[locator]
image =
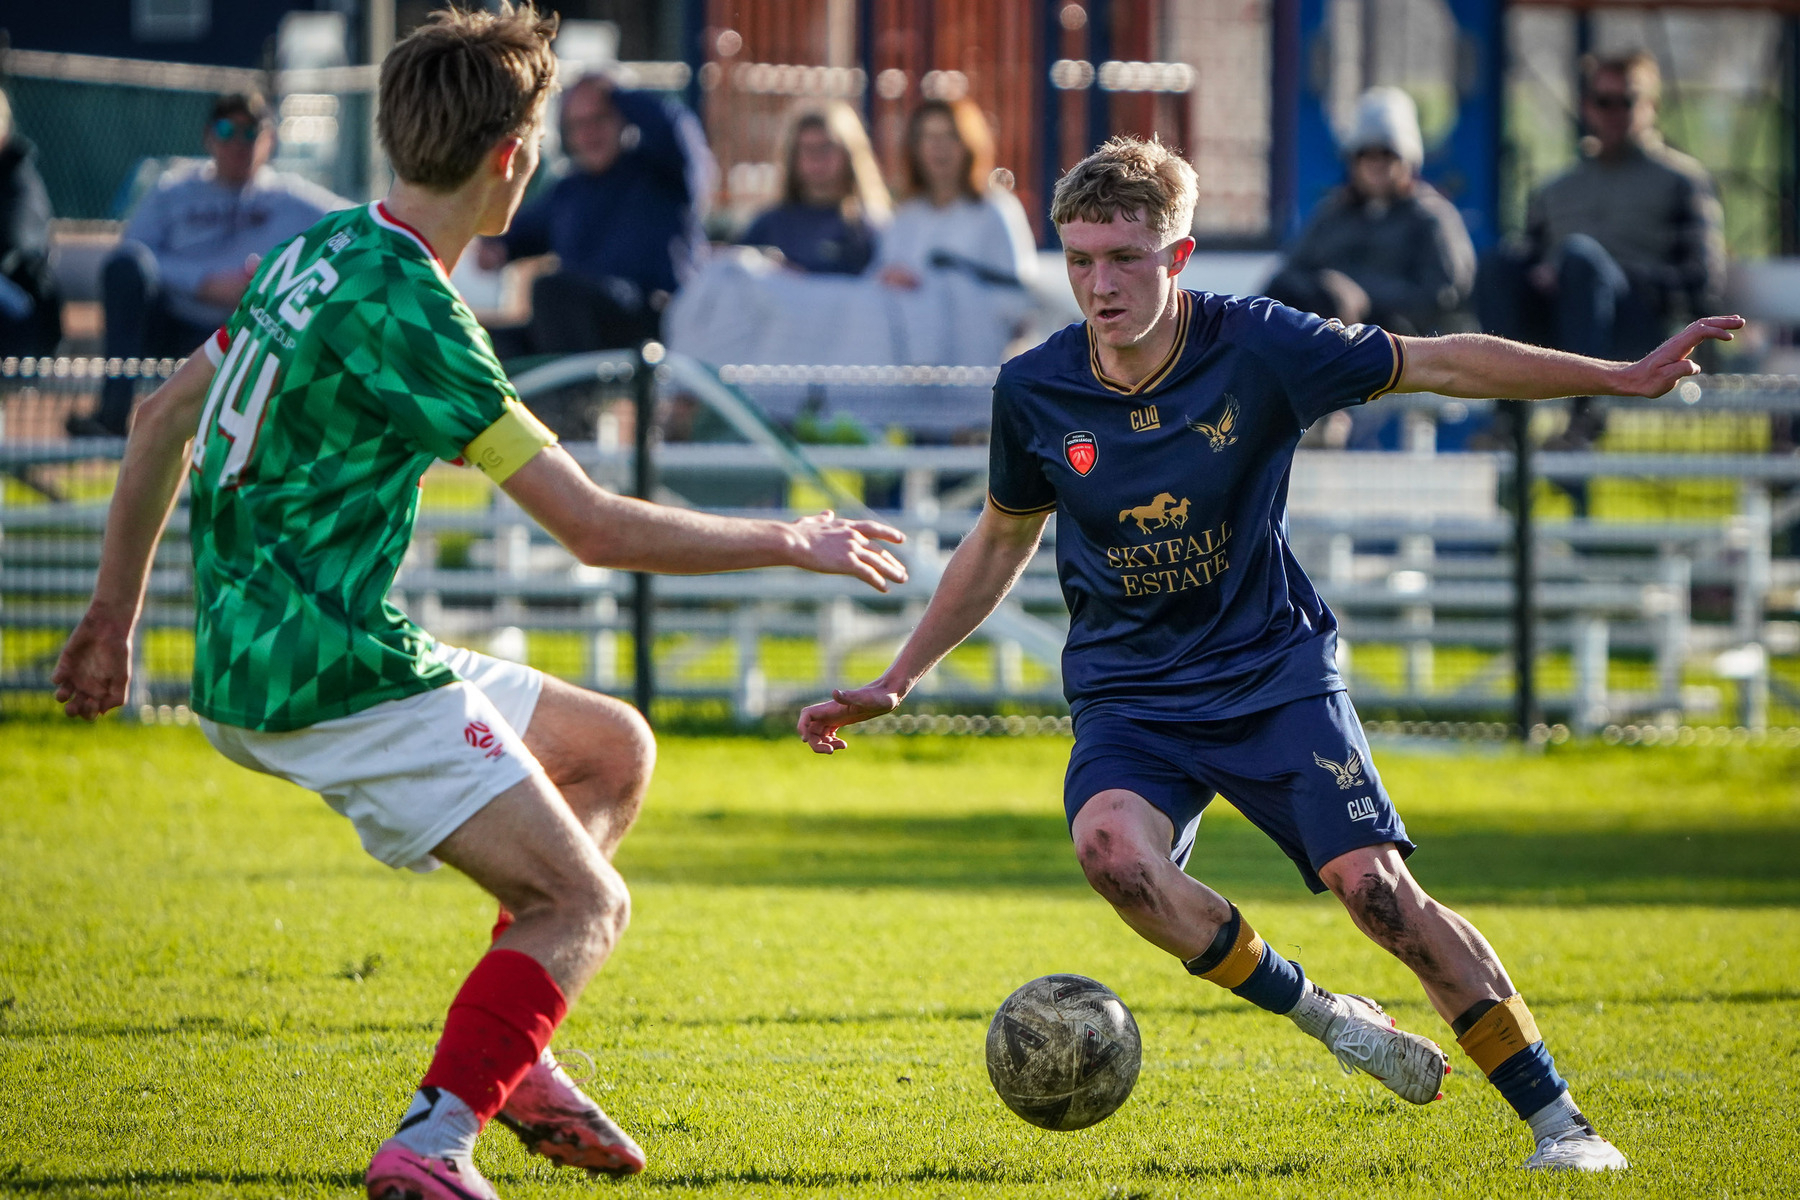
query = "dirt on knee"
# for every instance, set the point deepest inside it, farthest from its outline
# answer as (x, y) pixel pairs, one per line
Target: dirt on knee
(1121, 877)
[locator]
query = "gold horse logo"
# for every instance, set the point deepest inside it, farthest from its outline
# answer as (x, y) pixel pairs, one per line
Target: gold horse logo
(1160, 513)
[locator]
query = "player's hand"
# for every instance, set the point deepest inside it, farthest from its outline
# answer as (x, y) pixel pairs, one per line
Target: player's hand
(94, 669)
(897, 276)
(224, 288)
(1668, 364)
(831, 545)
(819, 723)
(490, 253)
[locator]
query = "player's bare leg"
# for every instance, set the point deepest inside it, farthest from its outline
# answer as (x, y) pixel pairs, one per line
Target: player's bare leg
(570, 907)
(529, 852)
(1453, 961)
(599, 752)
(1123, 843)
(1469, 987)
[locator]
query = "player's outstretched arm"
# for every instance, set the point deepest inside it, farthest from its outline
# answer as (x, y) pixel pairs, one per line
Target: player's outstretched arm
(1480, 367)
(607, 530)
(95, 666)
(978, 576)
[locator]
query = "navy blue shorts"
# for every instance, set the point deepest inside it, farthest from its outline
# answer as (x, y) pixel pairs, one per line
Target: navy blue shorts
(1301, 772)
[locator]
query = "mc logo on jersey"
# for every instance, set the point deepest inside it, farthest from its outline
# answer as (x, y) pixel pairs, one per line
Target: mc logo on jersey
(295, 289)
(1082, 451)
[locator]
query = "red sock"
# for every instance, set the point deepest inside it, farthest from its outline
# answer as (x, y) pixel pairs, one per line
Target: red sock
(499, 1023)
(502, 923)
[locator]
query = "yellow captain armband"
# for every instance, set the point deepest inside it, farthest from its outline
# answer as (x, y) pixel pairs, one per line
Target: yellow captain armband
(508, 443)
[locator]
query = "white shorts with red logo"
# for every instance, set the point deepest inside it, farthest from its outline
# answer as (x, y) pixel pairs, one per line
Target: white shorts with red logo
(408, 772)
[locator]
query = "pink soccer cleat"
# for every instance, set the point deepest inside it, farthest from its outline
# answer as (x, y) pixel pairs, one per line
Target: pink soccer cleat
(556, 1119)
(400, 1173)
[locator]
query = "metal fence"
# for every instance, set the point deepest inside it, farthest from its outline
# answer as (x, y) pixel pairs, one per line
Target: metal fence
(1666, 602)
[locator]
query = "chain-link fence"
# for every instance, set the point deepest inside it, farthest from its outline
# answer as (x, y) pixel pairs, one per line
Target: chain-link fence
(105, 128)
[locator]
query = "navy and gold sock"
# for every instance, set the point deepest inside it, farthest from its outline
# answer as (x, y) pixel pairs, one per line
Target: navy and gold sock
(1503, 1040)
(1240, 961)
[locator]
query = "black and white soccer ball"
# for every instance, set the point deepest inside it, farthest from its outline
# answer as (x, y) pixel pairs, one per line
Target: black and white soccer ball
(1063, 1052)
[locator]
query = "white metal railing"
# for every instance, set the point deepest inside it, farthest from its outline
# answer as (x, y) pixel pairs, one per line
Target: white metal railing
(1418, 561)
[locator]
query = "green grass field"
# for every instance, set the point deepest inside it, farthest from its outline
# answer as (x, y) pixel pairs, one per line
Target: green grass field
(207, 990)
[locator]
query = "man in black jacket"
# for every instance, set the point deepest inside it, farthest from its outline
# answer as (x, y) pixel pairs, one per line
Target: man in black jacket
(1385, 247)
(30, 314)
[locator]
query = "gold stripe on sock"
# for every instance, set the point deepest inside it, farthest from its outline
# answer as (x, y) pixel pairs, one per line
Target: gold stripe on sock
(1240, 961)
(1502, 1032)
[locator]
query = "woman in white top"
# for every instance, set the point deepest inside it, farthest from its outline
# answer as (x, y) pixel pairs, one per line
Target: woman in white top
(959, 240)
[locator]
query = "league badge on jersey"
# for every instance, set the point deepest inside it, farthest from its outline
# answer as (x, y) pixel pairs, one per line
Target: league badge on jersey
(1081, 450)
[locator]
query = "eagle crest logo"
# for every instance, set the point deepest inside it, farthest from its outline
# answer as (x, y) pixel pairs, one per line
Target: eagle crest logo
(1224, 433)
(1347, 773)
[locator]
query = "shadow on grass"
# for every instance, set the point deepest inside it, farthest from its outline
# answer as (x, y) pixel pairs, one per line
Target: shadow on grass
(990, 1173)
(14, 1180)
(189, 1027)
(1748, 866)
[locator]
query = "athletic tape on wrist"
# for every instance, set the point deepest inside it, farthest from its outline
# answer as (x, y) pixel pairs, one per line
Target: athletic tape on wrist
(508, 443)
(1502, 1032)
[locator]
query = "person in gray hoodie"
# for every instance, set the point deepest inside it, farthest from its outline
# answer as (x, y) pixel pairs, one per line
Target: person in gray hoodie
(187, 252)
(1386, 247)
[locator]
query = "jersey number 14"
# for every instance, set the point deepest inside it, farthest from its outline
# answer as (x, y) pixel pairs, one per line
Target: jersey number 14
(234, 412)
(239, 413)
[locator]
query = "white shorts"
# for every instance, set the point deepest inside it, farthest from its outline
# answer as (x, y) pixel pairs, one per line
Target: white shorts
(408, 772)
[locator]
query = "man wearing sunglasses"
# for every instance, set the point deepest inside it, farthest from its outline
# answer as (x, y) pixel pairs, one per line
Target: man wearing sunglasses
(186, 254)
(1620, 248)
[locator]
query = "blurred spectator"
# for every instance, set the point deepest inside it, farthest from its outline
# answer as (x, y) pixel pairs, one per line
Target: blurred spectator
(625, 223)
(1385, 247)
(832, 196)
(960, 244)
(948, 287)
(30, 315)
(954, 217)
(189, 250)
(1620, 248)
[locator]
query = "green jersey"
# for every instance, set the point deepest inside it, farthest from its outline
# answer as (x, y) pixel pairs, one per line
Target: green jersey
(349, 366)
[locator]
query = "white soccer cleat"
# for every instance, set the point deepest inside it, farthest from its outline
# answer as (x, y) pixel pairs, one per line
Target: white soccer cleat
(1365, 1039)
(1577, 1150)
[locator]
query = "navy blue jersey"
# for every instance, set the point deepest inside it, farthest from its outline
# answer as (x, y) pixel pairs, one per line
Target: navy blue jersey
(1185, 601)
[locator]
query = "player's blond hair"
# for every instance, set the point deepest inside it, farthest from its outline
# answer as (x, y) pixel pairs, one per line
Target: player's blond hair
(1131, 178)
(458, 85)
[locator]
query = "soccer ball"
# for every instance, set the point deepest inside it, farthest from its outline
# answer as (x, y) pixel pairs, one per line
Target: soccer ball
(1063, 1052)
